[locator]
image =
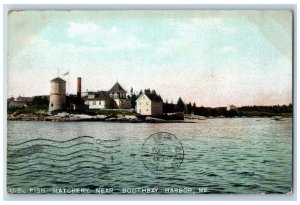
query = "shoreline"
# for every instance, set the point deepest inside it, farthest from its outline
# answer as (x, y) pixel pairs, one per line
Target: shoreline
(63, 117)
(89, 118)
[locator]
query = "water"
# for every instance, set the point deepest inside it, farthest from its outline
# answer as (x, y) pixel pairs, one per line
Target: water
(240, 155)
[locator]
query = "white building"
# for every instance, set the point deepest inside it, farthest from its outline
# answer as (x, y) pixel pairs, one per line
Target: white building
(115, 98)
(98, 100)
(231, 107)
(149, 104)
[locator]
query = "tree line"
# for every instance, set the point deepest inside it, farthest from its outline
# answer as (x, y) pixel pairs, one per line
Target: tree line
(192, 108)
(247, 111)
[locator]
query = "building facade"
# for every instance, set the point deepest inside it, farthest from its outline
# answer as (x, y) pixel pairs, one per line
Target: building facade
(115, 98)
(20, 101)
(149, 104)
(120, 97)
(57, 99)
(99, 100)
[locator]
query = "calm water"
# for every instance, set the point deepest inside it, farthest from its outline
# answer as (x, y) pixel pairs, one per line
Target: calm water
(221, 155)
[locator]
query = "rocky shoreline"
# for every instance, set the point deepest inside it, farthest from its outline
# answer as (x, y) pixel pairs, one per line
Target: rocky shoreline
(66, 117)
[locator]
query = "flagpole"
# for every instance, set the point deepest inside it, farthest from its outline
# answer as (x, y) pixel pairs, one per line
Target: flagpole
(69, 82)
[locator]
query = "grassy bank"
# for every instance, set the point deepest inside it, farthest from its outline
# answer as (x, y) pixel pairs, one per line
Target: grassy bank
(26, 110)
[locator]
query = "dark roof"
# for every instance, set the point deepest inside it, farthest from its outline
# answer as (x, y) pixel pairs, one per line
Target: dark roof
(58, 79)
(154, 97)
(100, 95)
(117, 88)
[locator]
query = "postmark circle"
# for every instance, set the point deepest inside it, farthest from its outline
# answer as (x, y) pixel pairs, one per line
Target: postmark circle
(162, 152)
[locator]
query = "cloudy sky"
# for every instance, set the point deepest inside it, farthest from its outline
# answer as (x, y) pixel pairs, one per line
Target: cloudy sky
(213, 58)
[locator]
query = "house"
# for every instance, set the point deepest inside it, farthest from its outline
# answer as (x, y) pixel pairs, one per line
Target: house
(98, 100)
(118, 94)
(149, 103)
(231, 107)
(24, 99)
(115, 98)
(20, 102)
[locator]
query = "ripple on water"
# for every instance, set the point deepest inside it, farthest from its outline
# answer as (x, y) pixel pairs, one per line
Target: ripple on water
(224, 155)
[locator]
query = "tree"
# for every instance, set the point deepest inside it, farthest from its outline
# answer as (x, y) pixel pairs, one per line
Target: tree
(133, 99)
(147, 90)
(131, 91)
(194, 107)
(40, 101)
(140, 93)
(168, 108)
(180, 105)
(189, 108)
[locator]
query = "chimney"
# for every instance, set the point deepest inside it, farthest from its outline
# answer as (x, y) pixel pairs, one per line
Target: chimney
(79, 89)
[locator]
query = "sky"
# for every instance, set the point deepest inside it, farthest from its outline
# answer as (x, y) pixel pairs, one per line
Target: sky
(213, 58)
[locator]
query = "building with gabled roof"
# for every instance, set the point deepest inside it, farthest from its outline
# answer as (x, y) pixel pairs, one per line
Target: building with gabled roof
(117, 88)
(115, 98)
(119, 94)
(149, 104)
(99, 100)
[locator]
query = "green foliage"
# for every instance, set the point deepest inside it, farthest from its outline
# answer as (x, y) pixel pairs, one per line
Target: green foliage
(26, 110)
(40, 101)
(247, 111)
(133, 99)
(180, 105)
(188, 108)
(147, 90)
(168, 107)
(270, 109)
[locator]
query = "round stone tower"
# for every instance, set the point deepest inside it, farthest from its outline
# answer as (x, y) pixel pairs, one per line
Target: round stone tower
(57, 94)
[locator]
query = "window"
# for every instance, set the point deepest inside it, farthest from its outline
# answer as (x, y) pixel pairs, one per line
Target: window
(140, 103)
(94, 102)
(147, 103)
(51, 104)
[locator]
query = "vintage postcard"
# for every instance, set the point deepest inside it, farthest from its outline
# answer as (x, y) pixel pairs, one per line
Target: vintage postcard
(150, 102)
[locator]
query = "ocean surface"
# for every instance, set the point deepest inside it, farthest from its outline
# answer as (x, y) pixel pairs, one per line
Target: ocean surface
(239, 155)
